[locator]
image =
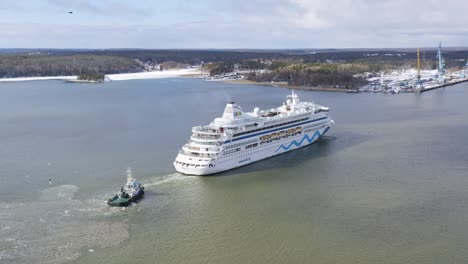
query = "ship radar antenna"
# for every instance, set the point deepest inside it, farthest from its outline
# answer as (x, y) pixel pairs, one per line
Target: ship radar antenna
(294, 97)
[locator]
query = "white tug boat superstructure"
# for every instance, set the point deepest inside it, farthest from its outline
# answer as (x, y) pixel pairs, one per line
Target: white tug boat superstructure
(239, 138)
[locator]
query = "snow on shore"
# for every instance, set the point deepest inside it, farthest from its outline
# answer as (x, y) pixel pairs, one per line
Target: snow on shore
(117, 77)
(153, 75)
(22, 79)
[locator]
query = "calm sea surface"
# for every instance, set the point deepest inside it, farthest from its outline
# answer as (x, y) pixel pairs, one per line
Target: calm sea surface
(389, 183)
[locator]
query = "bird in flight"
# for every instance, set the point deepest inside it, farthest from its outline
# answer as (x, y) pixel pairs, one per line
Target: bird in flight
(70, 12)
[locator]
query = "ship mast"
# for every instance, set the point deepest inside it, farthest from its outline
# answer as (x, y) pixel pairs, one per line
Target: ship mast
(129, 175)
(294, 97)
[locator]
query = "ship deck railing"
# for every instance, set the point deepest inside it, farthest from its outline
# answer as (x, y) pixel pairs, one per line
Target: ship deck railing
(204, 149)
(208, 137)
(206, 130)
(203, 143)
(197, 155)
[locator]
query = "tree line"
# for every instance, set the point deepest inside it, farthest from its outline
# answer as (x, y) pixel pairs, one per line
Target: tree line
(314, 74)
(92, 76)
(21, 65)
(44, 62)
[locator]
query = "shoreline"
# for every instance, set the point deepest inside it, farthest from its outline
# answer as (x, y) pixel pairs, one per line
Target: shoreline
(83, 81)
(190, 72)
(41, 78)
(154, 74)
(442, 85)
(288, 86)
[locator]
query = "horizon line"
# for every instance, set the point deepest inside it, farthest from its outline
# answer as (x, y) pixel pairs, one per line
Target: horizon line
(239, 49)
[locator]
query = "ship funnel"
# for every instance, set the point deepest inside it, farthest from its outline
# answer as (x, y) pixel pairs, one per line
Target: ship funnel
(232, 111)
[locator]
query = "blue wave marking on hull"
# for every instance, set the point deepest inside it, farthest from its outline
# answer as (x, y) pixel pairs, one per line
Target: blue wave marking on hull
(298, 144)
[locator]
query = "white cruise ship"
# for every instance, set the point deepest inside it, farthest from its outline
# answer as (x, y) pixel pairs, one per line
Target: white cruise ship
(238, 138)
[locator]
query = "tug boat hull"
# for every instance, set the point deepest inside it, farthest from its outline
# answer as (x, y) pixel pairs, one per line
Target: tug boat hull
(123, 202)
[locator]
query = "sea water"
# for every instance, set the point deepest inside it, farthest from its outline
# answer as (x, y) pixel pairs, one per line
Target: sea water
(386, 185)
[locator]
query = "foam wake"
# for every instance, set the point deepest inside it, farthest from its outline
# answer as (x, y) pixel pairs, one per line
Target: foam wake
(158, 180)
(55, 228)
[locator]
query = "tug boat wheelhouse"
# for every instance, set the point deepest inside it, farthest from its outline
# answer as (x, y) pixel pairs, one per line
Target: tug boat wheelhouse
(239, 138)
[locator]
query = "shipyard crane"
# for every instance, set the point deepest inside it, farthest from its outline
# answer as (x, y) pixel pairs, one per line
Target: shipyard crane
(418, 67)
(419, 84)
(441, 65)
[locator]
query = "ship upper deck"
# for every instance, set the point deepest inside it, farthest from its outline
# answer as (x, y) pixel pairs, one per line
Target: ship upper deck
(234, 121)
(234, 118)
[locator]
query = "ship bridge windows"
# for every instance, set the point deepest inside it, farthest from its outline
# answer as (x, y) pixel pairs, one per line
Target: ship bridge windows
(205, 136)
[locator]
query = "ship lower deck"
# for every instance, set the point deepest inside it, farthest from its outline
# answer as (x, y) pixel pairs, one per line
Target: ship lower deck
(261, 150)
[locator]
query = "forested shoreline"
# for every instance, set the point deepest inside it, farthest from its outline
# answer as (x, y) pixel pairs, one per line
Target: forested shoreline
(333, 68)
(14, 65)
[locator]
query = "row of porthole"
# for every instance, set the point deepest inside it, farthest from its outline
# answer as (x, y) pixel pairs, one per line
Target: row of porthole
(268, 148)
(240, 144)
(183, 164)
(281, 138)
(269, 127)
(246, 155)
(250, 153)
(230, 154)
(252, 141)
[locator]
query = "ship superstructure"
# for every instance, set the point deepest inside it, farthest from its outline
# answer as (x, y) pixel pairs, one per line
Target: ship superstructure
(239, 138)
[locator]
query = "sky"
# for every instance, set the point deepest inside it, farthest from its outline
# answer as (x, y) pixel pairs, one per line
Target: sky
(230, 24)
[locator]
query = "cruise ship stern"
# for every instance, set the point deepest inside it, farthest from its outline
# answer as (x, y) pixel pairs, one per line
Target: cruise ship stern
(190, 167)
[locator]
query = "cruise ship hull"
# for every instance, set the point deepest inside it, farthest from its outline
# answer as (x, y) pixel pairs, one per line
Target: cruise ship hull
(263, 151)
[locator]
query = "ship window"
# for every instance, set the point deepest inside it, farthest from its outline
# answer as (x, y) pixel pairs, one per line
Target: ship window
(251, 146)
(272, 126)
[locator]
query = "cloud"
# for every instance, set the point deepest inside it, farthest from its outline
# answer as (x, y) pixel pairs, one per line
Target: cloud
(102, 7)
(247, 24)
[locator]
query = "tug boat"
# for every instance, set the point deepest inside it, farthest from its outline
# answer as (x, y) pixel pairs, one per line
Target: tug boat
(128, 194)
